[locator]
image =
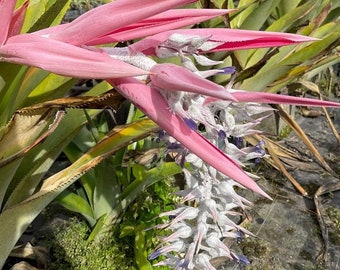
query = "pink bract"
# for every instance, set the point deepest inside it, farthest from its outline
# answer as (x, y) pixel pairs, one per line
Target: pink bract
(152, 103)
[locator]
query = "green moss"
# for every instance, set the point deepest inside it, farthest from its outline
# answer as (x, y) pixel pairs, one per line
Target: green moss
(285, 131)
(290, 230)
(70, 250)
(334, 215)
(253, 247)
(334, 226)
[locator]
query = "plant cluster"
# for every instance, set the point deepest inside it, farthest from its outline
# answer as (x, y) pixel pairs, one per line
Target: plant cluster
(164, 74)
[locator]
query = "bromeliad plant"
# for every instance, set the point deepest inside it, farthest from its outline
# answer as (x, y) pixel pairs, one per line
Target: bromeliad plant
(203, 116)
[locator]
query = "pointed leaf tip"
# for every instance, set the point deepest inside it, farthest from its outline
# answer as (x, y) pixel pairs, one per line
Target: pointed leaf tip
(64, 59)
(230, 39)
(271, 98)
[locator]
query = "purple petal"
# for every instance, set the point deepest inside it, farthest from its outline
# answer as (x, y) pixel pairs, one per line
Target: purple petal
(227, 70)
(191, 123)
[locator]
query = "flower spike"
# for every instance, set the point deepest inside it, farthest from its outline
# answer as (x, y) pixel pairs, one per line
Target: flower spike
(152, 103)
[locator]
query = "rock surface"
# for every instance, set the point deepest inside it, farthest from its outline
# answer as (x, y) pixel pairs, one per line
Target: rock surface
(288, 232)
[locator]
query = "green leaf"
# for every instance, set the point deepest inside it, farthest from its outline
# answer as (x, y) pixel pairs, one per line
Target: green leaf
(106, 189)
(141, 253)
(218, 3)
(285, 22)
(45, 87)
(261, 80)
(9, 74)
(42, 14)
(139, 172)
(10, 91)
(32, 79)
(281, 66)
(97, 228)
(320, 66)
(333, 14)
(231, 4)
(76, 203)
(245, 8)
(258, 17)
(37, 161)
(127, 231)
(14, 220)
(131, 192)
(7, 172)
(287, 6)
(152, 176)
(313, 49)
(21, 132)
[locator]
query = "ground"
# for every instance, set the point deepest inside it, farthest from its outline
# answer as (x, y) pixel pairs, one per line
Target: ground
(288, 233)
